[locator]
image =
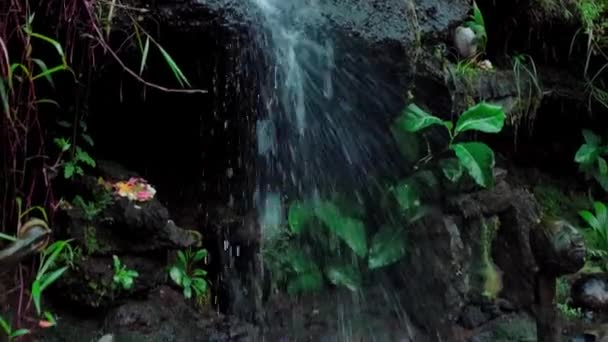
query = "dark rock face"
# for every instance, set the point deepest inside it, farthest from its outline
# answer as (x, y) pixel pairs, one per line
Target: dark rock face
(163, 316)
(559, 247)
(141, 234)
(376, 21)
(166, 317)
(447, 272)
(591, 292)
(472, 317)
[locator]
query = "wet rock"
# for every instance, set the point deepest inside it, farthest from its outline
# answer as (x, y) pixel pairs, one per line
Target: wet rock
(558, 246)
(375, 21)
(90, 283)
(472, 317)
(165, 316)
(162, 316)
(140, 234)
(120, 225)
(454, 263)
(590, 292)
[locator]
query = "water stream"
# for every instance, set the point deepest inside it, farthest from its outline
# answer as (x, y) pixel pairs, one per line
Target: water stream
(324, 125)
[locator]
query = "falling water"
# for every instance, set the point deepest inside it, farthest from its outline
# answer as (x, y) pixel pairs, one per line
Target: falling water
(323, 125)
(323, 122)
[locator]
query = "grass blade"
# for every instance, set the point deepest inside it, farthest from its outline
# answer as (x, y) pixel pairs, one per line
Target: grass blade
(4, 97)
(45, 71)
(48, 101)
(7, 237)
(176, 70)
(144, 56)
(48, 280)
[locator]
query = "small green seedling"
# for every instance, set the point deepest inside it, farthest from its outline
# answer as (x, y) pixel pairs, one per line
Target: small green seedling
(8, 330)
(189, 278)
(123, 276)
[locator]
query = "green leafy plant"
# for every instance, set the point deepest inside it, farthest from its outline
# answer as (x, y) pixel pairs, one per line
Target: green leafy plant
(596, 232)
(591, 158)
(91, 209)
(342, 253)
(564, 302)
(186, 275)
(49, 270)
(475, 157)
(123, 276)
(477, 24)
(79, 158)
(10, 333)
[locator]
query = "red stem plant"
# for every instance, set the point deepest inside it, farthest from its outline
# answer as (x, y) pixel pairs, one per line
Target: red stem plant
(28, 165)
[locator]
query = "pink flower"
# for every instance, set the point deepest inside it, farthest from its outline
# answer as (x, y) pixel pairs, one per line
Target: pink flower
(45, 324)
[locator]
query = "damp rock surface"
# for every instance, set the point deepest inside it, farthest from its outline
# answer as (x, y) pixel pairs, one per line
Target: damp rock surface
(591, 292)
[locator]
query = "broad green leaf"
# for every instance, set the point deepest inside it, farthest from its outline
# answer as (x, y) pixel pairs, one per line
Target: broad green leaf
(187, 292)
(127, 282)
(186, 281)
(406, 195)
(602, 166)
(199, 255)
(586, 154)
(350, 204)
(388, 246)
(298, 216)
(344, 275)
(176, 275)
(200, 285)
(483, 117)
(601, 213)
(478, 159)
(199, 273)
(299, 262)
(182, 260)
(407, 142)
(19, 332)
(414, 119)
(307, 282)
(602, 180)
(451, 168)
(350, 230)
(590, 219)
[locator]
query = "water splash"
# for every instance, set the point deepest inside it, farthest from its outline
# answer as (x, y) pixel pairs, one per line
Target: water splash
(323, 123)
